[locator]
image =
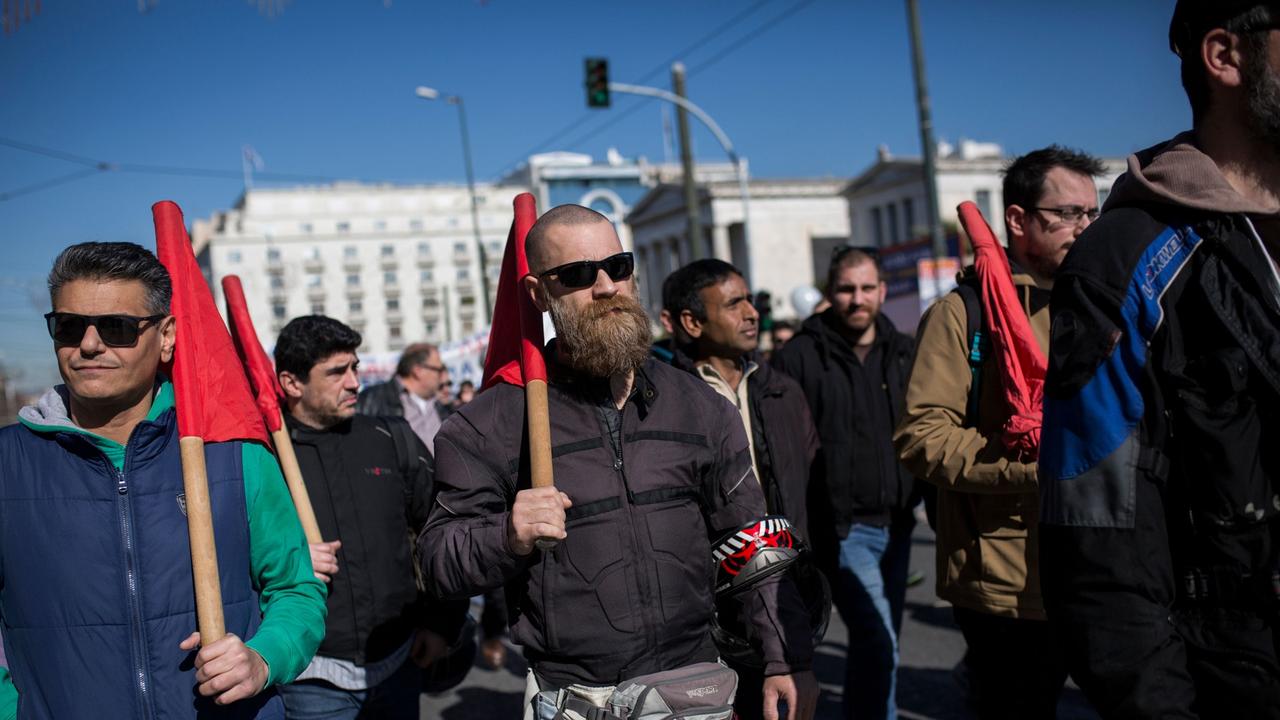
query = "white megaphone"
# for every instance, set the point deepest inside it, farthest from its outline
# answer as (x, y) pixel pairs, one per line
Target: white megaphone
(804, 299)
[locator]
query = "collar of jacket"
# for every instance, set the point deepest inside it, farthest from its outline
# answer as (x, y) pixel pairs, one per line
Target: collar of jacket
(830, 343)
(302, 433)
(644, 392)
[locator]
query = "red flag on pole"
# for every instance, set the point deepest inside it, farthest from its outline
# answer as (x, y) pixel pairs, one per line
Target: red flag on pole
(1022, 364)
(262, 375)
(210, 391)
(515, 335)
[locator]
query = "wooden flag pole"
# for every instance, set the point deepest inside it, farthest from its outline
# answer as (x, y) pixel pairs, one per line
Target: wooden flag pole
(538, 418)
(293, 478)
(204, 553)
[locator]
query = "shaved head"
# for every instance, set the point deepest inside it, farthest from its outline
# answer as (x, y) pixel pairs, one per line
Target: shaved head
(536, 242)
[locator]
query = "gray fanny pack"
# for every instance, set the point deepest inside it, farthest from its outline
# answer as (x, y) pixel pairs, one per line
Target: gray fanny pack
(703, 691)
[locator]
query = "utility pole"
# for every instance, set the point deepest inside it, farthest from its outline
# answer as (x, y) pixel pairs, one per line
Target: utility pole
(691, 205)
(926, 136)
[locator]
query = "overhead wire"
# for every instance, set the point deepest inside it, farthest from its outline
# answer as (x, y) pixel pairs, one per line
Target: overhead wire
(701, 67)
(589, 115)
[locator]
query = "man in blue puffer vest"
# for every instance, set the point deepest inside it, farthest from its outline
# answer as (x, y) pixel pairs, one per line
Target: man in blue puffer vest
(96, 598)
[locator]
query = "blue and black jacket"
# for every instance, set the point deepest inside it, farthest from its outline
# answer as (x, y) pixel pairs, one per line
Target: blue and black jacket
(1160, 460)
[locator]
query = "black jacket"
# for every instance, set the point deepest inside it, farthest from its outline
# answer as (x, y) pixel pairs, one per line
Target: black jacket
(824, 365)
(372, 492)
(785, 439)
(1160, 466)
(629, 591)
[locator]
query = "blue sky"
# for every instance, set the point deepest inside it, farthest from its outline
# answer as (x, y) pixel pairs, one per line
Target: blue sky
(325, 89)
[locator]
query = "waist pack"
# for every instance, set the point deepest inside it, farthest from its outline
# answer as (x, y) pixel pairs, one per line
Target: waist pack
(703, 691)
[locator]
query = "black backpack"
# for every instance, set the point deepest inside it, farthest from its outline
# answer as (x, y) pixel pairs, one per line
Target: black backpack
(977, 340)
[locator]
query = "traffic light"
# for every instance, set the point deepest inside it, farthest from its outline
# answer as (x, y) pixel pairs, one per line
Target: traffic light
(597, 83)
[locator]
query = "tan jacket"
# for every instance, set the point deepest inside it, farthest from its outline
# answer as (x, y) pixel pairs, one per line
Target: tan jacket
(988, 504)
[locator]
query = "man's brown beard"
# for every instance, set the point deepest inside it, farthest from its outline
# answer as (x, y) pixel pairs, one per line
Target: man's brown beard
(598, 342)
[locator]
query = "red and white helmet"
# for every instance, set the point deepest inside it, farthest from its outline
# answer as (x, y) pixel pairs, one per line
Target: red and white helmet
(753, 552)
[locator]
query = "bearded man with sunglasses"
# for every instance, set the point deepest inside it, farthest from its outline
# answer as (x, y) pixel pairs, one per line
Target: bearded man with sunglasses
(96, 587)
(651, 466)
(988, 563)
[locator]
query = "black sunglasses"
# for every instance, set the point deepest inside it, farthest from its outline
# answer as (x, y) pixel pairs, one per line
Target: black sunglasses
(115, 330)
(583, 273)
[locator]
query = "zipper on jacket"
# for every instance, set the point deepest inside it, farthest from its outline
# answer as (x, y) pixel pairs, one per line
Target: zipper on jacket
(642, 574)
(137, 636)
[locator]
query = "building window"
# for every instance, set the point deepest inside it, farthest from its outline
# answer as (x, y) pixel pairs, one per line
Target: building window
(349, 251)
(393, 332)
(307, 228)
(892, 211)
(233, 257)
(982, 199)
(431, 329)
(466, 299)
(273, 253)
(468, 327)
(877, 226)
(909, 217)
(460, 248)
(388, 250)
(313, 253)
(389, 278)
(355, 306)
(495, 249)
(317, 308)
(393, 304)
(344, 226)
(315, 281)
(424, 249)
(277, 282)
(380, 225)
(430, 303)
(425, 276)
(464, 273)
(278, 311)
(415, 225)
(353, 280)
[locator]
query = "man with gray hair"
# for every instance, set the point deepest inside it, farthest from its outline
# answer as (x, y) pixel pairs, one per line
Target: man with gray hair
(411, 394)
(96, 594)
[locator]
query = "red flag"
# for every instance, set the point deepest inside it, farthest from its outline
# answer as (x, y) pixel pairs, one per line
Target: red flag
(261, 372)
(212, 395)
(515, 335)
(1022, 364)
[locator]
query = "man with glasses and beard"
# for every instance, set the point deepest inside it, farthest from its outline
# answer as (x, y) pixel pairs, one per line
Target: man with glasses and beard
(1159, 466)
(651, 466)
(988, 563)
(853, 365)
(95, 569)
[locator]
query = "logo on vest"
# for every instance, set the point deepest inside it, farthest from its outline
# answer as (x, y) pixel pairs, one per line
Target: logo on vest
(182, 503)
(376, 471)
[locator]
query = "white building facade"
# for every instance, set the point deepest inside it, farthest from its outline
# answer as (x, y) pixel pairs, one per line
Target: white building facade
(397, 263)
(887, 204)
(791, 222)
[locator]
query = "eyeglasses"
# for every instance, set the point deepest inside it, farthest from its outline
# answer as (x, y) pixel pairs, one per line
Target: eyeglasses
(115, 330)
(583, 273)
(1071, 214)
(437, 368)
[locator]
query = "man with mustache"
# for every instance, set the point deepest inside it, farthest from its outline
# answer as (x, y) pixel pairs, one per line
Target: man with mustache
(853, 365)
(710, 301)
(95, 568)
(1160, 466)
(988, 561)
(369, 479)
(650, 467)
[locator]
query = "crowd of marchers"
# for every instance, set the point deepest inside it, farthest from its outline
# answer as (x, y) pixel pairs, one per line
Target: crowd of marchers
(712, 501)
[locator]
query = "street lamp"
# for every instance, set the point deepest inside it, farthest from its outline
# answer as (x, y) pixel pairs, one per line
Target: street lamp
(427, 93)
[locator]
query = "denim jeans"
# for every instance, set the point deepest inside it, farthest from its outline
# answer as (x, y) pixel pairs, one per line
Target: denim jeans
(859, 595)
(395, 698)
